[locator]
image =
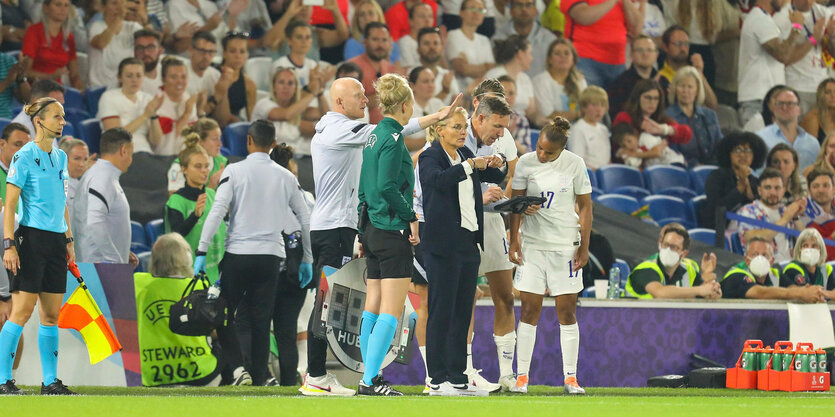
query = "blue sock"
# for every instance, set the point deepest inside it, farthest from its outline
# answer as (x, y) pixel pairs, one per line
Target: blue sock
(9, 337)
(48, 345)
(368, 320)
(378, 346)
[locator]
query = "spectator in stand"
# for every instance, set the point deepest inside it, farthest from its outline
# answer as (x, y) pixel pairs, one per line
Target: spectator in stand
(132, 108)
(763, 55)
(374, 64)
(203, 16)
(14, 82)
(322, 37)
(687, 95)
(420, 17)
(645, 112)
(598, 29)
(469, 53)
(785, 129)
(452, 18)
(519, 127)
(40, 89)
(78, 157)
(770, 208)
(766, 116)
(422, 82)
(299, 37)
(523, 22)
(366, 11)
(558, 89)
(819, 213)
(820, 120)
(644, 55)
(676, 45)
(202, 76)
(111, 41)
(146, 47)
(808, 266)
(294, 113)
(826, 157)
(431, 53)
(14, 24)
(399, 17)
(784, 159)
(733, 184)
(51, 46)
(514, 56)
(629, 151)
(179, 109)
(806, 73)
(14, 136)
(235, 93)
(589, 137)
(209, 133)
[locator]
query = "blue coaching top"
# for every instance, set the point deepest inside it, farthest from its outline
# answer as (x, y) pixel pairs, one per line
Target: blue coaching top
(42, 178)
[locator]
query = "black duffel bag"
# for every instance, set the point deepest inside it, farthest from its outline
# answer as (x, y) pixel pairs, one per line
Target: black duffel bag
(195, 314)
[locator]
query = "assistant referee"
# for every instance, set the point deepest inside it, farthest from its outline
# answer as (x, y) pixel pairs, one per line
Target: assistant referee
(37, 254)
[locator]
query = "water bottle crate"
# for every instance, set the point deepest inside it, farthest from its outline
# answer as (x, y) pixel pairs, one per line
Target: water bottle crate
(798, 369)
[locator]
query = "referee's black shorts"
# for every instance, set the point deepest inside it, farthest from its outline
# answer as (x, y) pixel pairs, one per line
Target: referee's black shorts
(43, 262)
(418, 268)
(388, 253)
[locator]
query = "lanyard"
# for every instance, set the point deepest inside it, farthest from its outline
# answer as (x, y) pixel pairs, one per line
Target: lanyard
(814, 20)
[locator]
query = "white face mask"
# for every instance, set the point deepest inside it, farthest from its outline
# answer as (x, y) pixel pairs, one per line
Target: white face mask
(759, 266)
(669, 258)
(810, 256)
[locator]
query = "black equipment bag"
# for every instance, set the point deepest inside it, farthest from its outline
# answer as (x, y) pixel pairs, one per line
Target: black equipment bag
(195, 314)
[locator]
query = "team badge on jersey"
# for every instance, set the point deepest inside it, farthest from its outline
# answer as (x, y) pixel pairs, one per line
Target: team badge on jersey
(395, 136)
(371, 141)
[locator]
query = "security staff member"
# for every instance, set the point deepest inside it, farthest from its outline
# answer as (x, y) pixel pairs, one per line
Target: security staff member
(669, 274)
(336, 149)
(254, 245)
(450, 177)
(100, 208)
(756, 278)
(37, 255)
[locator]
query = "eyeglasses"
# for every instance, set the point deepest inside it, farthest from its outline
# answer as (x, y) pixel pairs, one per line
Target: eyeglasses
(477, 10)
(742, 150)
(786, 104)
(149, 48)
(205, 51)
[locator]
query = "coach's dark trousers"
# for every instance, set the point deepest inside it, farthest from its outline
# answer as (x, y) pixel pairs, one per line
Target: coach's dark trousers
(452, 284)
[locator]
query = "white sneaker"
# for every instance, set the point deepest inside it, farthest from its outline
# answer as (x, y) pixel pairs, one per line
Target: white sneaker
(470, 390)
(443, 389)
(476, 379)
(241, 377)
(326, 385)
(508, 382)
(571, 387)
(521, 385)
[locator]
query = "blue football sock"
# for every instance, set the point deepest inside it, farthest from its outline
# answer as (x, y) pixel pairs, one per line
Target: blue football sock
(48, 345)
(368, 320)
(378, 346)
(9, 337)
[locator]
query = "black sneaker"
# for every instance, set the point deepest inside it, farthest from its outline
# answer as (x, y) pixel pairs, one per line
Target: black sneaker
(56, 388)
(379, 380)
(270, 382)
(9, 388)
(380, 390)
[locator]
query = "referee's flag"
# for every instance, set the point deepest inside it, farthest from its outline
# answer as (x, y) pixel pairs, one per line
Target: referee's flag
(82, 314)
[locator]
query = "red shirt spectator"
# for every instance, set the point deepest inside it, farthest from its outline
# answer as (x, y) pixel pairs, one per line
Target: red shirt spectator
(681, 133)
(48, 55)
(370, 73)
(602, 41)
(397, 17)
(323, 16)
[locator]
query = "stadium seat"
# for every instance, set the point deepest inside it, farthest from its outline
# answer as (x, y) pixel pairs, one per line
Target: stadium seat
(728, 117)
(137, 233)
(137, 247)
(592, 178)
(69, 130)
(610, 177)
(144, 261)
(666, 209)
(153, 230)
(706, 236)
(73, 100)
(92, 97)
(534, 138)
(234, 138)
(3, 122)
(260, 69)
(595, 193)
(683, 193)
(637, 193)
(225, 151)
(17, 106)
(90, 132)
(736, 244)
(698, 176)
(661, 177)
(619, 202)
(694, 205)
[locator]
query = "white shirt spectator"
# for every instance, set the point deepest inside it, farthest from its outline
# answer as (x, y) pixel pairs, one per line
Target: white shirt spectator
(409, 57)
(152, 86)
(758, 70)
(182, 11)
(454, 89)
(432, 106)
(104, 63)
(206, 82)
(805, 74)
(172, 141)
(524, 87)
(302, 72)
(550, 95)
(479, 50)
(114, 103)
(590, 142)
(285, 131)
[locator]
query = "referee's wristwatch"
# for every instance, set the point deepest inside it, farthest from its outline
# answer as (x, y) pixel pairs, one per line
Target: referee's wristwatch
(8, 243)
(69, 240)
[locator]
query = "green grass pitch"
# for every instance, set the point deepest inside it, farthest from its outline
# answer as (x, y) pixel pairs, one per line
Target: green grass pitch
(541, 401)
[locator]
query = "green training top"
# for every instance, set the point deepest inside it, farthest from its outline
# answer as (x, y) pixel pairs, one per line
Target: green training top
(387, 179)
(180, 218)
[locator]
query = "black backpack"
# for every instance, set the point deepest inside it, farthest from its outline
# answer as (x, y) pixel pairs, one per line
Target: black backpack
(195, 314)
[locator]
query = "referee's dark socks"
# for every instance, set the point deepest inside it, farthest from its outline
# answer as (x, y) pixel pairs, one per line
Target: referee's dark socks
(378, 345)
(9, 337)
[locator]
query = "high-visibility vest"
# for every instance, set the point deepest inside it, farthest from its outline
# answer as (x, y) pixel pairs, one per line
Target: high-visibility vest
(820, 279)
(690, 266)
(741, 268)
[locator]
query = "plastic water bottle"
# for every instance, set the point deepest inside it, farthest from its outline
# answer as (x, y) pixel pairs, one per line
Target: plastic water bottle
(292, 241)
(214, 291)
(614, 283)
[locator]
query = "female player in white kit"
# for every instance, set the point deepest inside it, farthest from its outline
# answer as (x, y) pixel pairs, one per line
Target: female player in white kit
(554, 245)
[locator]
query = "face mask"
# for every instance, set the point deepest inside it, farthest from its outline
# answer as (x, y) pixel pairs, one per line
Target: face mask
(810, 256)
(668, 257)
(759, 266)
